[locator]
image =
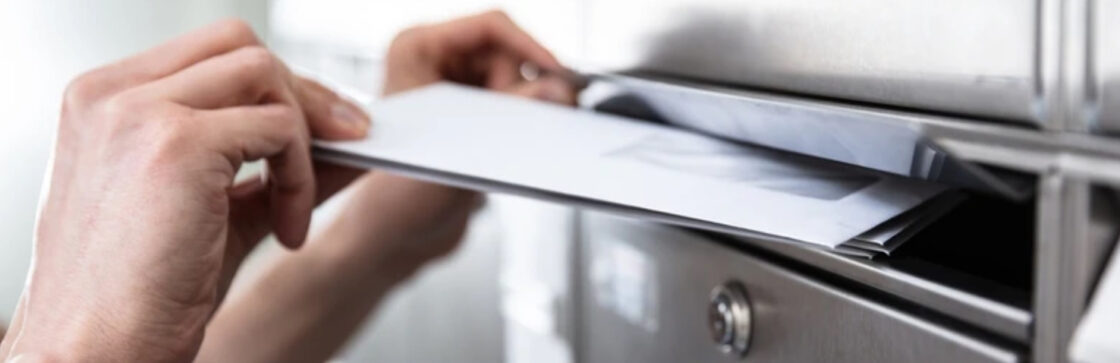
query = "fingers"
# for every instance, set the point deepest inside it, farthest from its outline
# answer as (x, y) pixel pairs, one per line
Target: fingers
(246, 76)
(252, 75)
(258, 109)
(192, 47)
(547, 88)
(174, 55)
(504, 71)
(251, 203)
(278, 134)
(330, 116)
(497, 29)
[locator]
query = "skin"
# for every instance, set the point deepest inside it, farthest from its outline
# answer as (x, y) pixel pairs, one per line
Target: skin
(336, 281)
(143, 227)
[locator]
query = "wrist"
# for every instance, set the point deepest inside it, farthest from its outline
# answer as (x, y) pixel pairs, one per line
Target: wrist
(72, 334)
(33, 358)
(49, 342)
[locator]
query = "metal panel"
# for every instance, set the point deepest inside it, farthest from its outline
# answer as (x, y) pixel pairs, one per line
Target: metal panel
(646, 297)
(959, 56)
(1001, 318)
(1071, 238)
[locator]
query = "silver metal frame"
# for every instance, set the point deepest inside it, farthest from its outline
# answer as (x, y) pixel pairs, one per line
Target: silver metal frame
(1003, 319)
(1060, 276)
(1064, 254)
(1068, 159)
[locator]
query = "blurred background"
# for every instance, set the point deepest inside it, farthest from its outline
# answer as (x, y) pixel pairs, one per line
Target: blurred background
(341, 42)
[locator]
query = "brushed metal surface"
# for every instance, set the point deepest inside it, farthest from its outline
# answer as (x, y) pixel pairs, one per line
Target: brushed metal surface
(960, 56)
(657, 298)
(1003, 319)
(1068, 257)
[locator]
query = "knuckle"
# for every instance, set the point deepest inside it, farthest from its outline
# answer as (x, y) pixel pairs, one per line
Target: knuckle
(253, 63)
(122, 106)
(84, 90)
(256, 59)
(252, 66)
(235, 31)
(299, 133)
(290, 122)
(296, 124)
(170, 134)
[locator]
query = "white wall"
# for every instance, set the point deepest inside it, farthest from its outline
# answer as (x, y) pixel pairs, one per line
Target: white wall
(43, 44)
(371, 25)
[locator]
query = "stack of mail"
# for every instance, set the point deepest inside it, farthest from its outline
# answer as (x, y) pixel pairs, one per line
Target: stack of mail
(481, 140)
(888, 236)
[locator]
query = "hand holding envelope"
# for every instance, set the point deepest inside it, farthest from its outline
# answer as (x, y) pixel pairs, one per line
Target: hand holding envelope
(391, 225)
(485, 50)
(144, 225)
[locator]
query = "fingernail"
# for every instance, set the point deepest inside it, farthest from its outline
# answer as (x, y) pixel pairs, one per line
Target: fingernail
(350, 115)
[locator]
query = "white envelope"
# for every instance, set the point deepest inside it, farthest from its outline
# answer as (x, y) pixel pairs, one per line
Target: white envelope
(492, 142)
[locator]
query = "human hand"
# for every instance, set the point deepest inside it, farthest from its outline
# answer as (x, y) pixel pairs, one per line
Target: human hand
(484, 50)
(427, 220)
(142, 226)
(391, 225)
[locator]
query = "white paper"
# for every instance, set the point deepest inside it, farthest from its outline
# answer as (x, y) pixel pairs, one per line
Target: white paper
(484, 140)
(889, 235)
(1096, 338)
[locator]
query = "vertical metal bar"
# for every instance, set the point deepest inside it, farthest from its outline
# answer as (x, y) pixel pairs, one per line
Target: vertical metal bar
(577, 262)
(1064, 263)
(1048, 64)
(1063, 266)
(1047, 261)
(1075, 65)
(1064, 65)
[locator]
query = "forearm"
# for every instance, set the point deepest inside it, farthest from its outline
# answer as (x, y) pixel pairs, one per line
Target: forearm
(307, 306)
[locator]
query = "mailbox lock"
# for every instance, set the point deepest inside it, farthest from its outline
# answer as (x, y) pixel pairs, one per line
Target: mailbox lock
(729, 318)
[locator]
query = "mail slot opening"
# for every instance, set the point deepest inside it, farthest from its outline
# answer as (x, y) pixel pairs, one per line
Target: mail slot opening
(1103, 227)
(834, 164)
(985, 246)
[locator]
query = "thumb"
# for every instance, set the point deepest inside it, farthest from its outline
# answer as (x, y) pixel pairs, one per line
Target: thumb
(546, 88)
